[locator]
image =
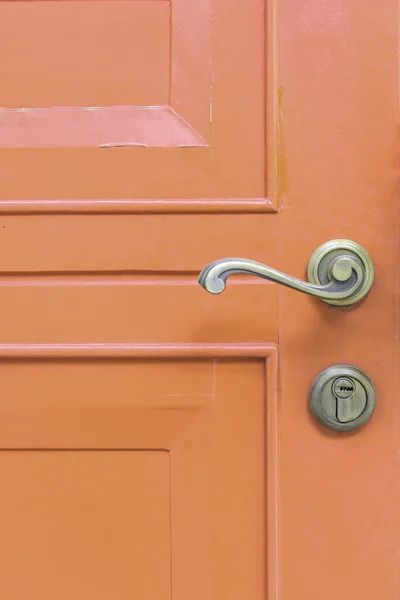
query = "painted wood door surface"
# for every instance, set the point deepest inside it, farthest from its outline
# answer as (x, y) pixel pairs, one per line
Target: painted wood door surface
(156, 441)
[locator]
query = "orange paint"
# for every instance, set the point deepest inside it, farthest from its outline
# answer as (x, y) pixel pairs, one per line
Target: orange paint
(156, 440)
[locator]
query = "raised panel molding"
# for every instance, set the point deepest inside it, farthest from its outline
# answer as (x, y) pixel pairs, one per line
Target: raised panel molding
(267, 353)
(49, 155)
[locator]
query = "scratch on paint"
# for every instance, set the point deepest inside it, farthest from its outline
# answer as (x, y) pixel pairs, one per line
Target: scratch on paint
(122, 145)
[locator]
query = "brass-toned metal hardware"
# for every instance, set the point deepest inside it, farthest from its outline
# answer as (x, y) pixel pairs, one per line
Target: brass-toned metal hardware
(340, 272)
(343, 397)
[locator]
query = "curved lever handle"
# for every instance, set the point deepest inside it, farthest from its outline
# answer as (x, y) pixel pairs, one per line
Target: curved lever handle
(340, 272)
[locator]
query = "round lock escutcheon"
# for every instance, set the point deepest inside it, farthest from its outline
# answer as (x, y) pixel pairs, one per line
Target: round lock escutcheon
(343, 397)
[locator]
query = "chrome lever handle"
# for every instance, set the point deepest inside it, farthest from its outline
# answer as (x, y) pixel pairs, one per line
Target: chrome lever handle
(340, 272)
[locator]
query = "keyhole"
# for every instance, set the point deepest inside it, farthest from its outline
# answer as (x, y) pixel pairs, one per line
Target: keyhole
(343, 388)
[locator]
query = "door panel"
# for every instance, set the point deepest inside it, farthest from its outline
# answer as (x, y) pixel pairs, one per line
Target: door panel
(191, 122)
(71, 522)
(126, 477)
(129, 244)
(85, 52)
(71, 310)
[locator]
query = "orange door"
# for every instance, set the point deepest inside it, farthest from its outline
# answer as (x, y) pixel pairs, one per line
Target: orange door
(156, 440)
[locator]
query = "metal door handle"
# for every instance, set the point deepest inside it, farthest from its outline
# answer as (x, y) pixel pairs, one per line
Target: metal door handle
(340, 272)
